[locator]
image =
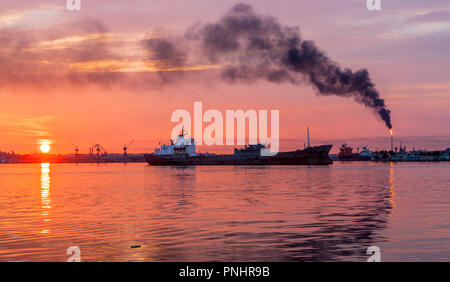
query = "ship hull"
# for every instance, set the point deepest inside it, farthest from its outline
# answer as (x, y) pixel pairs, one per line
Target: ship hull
(317, 155)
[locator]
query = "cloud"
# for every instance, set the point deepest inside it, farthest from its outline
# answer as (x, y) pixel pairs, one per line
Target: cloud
(80, 51)
(25, 126)
(42, 57)
(434, 16)
(39, 17)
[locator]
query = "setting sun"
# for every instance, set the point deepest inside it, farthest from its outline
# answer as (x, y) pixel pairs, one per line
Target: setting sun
(45, 148)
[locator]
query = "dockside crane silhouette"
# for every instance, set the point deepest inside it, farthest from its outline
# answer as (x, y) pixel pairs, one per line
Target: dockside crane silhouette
(125, 148)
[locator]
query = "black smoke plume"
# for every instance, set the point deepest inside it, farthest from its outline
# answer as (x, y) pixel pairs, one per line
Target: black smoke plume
(252, 47)
(165, 54)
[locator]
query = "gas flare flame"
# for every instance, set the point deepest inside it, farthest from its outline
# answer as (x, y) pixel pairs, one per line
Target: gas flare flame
(390, 131)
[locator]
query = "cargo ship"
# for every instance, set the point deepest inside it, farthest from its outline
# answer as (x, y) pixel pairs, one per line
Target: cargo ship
(346, 154)
(182, 153)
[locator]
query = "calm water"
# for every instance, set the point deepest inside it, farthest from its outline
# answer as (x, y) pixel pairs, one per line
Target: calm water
(225, 213)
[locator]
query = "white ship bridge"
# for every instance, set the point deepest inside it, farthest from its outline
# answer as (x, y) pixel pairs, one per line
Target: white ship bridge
(183, 146)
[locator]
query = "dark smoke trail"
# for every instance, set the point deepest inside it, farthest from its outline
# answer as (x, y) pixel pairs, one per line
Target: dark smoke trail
(255, 47)
(165, 53)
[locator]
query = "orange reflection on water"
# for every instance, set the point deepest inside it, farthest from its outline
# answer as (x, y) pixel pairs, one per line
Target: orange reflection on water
(45, 195)
(391, 187)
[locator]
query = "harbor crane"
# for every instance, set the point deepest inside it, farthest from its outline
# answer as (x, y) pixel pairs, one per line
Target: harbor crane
(75, 147)
(125, 148)
(99, 149)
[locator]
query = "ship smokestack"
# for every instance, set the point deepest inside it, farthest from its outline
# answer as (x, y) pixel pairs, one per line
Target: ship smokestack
(307, 134)
(392, 139)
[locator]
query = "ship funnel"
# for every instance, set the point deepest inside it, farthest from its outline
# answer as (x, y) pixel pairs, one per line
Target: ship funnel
(307, 134)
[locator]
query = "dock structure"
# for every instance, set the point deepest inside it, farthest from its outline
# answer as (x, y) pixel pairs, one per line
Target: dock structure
(70, 158)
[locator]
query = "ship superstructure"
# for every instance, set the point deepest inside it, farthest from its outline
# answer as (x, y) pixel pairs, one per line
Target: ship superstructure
(183, 145)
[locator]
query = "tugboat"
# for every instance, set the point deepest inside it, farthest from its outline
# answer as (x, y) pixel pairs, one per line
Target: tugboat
(182, 153)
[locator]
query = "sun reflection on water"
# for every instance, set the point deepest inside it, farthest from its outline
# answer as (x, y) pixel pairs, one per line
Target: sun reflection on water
(45, 195)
